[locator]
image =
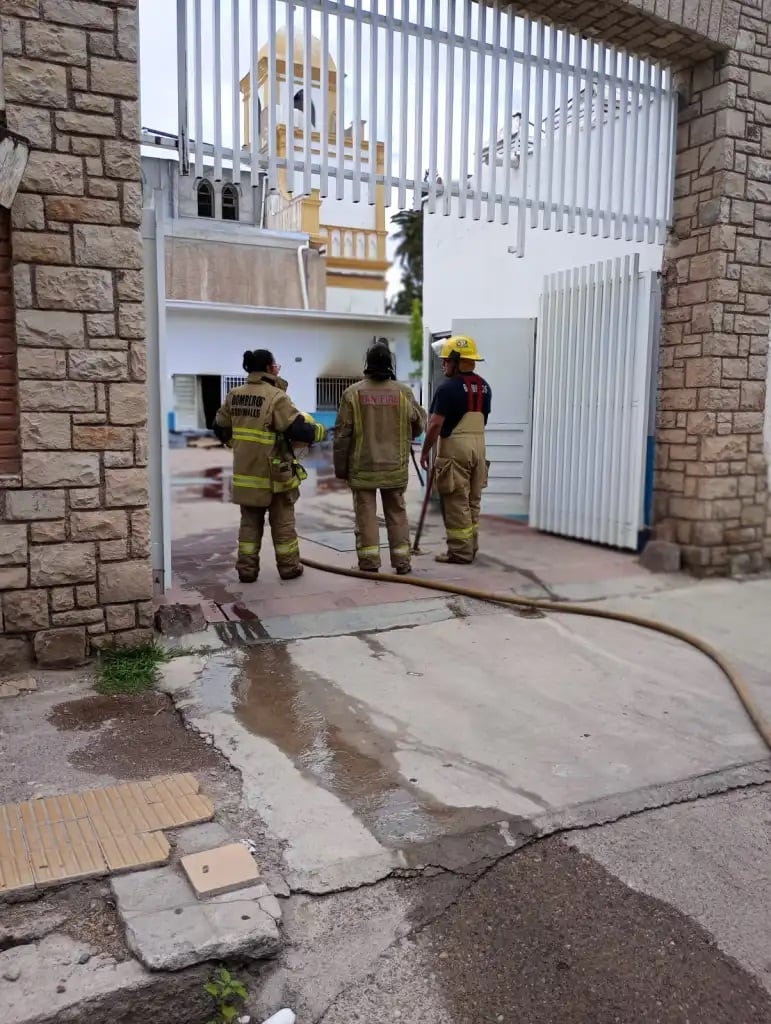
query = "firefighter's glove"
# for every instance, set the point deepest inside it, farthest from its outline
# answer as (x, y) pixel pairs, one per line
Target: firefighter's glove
(319, 432)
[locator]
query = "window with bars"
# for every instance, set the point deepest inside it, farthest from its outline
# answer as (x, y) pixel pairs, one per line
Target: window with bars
(205, 195)
(229, 202)
(228, 383)
(329, 391)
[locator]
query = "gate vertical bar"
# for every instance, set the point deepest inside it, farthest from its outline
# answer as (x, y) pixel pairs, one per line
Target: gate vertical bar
(588, 105)
(389, 104)
(465, 110)
(183, 89)
(340, 112)
(626, 63)
(600, 131)
(550, 102)
(634, 140)
(419, 90)
(562, 133)
(325, 114)
(255, 135)
(236, 93)
(660, 138)
(607, 190)
(643, 203)
(479, 116)
(495, 67)
(217, 92)
(433, 137)
(576, 133)
(508, 101)
(449, 109)
(524, 134)
(289, 97)
(272, 97)
(198, 90)
(373, 132)
(537, 125)
(307, 103)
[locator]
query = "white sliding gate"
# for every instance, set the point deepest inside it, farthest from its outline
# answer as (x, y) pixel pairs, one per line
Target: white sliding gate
(593, 380)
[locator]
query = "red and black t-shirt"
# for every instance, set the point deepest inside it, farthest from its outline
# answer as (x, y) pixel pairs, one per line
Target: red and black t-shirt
(465, 392)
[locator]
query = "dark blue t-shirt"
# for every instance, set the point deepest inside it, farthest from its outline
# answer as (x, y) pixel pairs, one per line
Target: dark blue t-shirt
(465, 392)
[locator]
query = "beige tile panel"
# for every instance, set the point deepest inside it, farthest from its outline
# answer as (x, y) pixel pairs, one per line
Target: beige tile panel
(90, 833)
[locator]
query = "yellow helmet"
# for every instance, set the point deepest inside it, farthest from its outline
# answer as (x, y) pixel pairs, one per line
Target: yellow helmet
(459, 346)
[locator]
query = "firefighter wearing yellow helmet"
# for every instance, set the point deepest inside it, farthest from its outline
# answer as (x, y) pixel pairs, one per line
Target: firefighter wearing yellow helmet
(261, 423)
(458, 415)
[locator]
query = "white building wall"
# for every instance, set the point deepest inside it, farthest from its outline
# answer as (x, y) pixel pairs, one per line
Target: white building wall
(355, 300)
(205, 341)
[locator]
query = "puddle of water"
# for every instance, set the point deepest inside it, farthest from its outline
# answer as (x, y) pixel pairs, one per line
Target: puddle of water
(331, 739)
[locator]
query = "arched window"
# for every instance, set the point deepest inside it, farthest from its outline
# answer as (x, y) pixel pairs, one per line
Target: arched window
(299, 104)
(205, 192)
(229, 202)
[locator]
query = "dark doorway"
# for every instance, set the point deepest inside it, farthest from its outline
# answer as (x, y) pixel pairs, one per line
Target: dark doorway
(211, 396)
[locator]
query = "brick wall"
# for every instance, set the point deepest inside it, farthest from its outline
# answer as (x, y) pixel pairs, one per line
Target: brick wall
(10, 455)
(74, 534)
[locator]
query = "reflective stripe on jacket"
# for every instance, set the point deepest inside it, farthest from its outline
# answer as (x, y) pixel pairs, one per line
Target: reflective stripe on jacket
(375, 424)
(258, 413)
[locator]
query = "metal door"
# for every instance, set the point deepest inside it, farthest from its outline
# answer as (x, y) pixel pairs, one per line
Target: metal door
(508, 349)
(593, 380)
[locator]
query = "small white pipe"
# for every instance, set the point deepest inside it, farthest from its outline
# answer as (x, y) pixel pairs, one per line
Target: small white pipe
(305, 247)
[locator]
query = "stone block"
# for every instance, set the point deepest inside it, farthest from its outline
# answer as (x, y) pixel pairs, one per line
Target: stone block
(48, 532)
(31, 505)
(121, 160)
(61, 648)
(45, 431)
(113, 550)
(103, 188)
(128, 404)
(131, 320)
(115, 77)
(86, 123)
(120, 616)
(78, 617)
(100, 325)
(86, 597)
(756, 279)
(41, 364)
(28, 213)
(85, 497)
(168, 928)
(13, 544)
(41, 247)
(61, 564)
(100, 525)
(760, 86)
(138, 362)
(15, 653)
(54, 174)
(705, 372)
(80, 12)
(140, 534)
(44, 329)
(128, 35)
(84, 211)
(75, 288)
(69, 395)
(35, 81)
(131, 286)
(119, 460)
(102, 438)
(51, 42)
(125, 581)
(22, 286)
(720, 449)
(753, 395)
(718, 487)
(66, 469)
(98, 364)
(95, 105)
(132, 203)
(660, 556)
(126, 487)
(24, 611)
(62, 599)
(180, 619)
(101, 246)
(102, 44)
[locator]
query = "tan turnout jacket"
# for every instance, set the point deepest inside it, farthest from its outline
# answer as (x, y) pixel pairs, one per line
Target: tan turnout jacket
(263, 464)
(375, 424)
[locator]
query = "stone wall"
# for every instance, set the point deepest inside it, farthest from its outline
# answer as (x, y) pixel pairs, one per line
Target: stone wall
(10, 451)
(74, 529)
(711, 478)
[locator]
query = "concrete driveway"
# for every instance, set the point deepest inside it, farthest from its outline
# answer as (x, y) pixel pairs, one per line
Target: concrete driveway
(380, 727)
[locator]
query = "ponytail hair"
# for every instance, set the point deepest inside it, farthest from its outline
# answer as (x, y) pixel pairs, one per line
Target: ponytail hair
(258, 361)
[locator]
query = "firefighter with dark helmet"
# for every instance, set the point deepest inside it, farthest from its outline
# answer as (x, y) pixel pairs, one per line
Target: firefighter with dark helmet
(261, 423)
(459, 412)
(377, 420)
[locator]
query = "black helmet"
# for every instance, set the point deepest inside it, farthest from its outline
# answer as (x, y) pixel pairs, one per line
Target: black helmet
(379, 364)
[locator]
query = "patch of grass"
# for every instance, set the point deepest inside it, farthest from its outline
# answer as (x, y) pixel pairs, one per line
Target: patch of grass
(130, 669)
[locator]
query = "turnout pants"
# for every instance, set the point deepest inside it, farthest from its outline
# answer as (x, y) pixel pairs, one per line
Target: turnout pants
(368, 531)
(461, 476)
(282, 527)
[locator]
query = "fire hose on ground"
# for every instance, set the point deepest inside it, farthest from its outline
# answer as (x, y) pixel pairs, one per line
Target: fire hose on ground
(754, 712)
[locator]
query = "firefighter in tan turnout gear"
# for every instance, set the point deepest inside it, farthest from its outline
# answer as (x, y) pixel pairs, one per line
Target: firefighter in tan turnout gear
(459, 412)
(377, 420)
(260, 422)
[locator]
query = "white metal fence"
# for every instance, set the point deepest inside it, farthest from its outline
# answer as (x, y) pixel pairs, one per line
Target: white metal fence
(441, 84)
(592, 386)
(329, 391)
